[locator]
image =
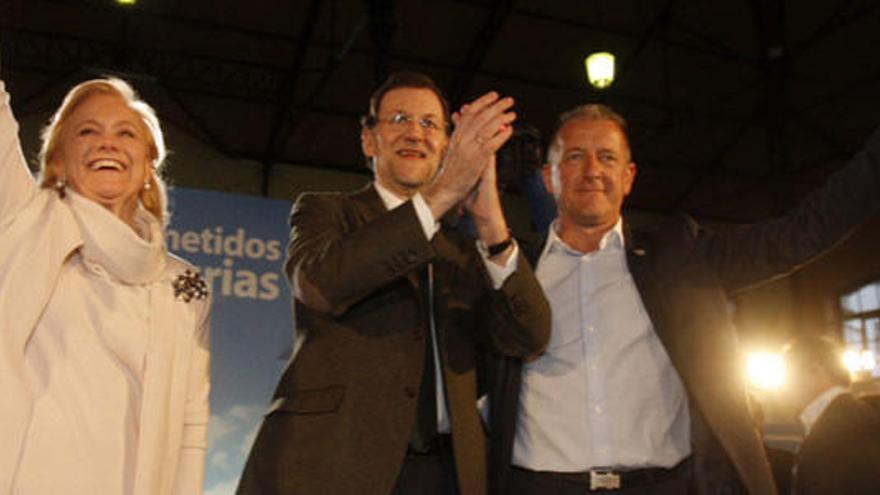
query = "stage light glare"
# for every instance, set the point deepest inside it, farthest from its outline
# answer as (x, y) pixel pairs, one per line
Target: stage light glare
(126, 2)
(856, 361)
(600, 69)
(765, 370)
(852, 361)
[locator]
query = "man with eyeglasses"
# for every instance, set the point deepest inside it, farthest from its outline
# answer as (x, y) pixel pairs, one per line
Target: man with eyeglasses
(394, 306)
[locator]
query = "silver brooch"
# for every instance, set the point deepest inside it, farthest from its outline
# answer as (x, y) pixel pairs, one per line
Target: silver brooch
(190, 285)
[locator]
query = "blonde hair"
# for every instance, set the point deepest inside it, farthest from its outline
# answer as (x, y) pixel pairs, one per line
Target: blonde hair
(153, 198)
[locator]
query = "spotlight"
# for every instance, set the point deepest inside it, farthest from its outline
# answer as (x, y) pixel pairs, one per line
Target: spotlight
(600, 69)
(857, 362)
(126, 2)
(765, 370)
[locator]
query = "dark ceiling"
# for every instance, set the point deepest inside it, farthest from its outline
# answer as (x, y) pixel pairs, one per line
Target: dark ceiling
(736, 107)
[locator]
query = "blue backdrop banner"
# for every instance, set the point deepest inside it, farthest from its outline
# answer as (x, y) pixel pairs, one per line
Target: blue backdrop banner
(238, 242)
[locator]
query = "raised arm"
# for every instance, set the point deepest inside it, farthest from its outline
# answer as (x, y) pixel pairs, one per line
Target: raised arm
(17, 186)
(333, 263)
(750, 254)
(520, 314)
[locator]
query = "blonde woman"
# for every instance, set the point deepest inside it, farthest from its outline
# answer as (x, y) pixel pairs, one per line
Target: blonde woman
(104, 335)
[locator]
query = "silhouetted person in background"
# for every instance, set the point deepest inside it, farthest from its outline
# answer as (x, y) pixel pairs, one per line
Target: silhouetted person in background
(840, 453)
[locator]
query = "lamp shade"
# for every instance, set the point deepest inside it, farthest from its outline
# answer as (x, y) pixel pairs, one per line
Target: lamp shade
(600, 69)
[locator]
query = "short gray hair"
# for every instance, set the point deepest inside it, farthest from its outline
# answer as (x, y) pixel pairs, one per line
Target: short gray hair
(591, 111)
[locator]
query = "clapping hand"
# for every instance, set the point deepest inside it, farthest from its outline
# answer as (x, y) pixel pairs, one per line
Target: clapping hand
(481, 128)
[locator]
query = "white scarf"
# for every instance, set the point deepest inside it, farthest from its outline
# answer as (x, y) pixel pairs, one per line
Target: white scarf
(115, 246)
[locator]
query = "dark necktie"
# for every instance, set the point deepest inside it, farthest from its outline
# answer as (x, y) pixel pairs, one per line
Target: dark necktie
(425, 428)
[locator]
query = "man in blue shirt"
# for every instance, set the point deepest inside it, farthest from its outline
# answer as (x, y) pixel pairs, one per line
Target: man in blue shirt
(640, 389)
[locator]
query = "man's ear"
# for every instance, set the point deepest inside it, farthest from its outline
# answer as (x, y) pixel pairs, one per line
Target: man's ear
(629, 178)
(549, 183)
(368, 142)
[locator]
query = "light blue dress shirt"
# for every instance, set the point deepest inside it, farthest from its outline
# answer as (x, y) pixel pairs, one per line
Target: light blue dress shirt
(605, 394)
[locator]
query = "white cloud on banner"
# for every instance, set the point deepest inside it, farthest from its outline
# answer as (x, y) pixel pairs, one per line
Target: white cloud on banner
(245, 413)
(223, 488)
(218, 428)
(220, 460)
(236, 419)
(230, 436)
(249, 439)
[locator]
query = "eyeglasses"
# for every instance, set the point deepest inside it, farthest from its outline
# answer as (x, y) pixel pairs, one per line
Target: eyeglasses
(401, 120)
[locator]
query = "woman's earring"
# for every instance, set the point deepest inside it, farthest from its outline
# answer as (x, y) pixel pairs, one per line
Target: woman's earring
(147, 185)
(60, 185)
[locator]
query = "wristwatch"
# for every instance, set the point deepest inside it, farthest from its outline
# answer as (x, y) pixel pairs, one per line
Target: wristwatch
(499, 247)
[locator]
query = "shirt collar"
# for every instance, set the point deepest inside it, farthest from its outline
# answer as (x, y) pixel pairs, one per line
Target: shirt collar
(389, 199)
(814, 410)
(613, 239)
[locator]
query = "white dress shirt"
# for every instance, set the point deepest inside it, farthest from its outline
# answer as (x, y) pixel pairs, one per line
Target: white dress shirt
(605, 394)
(814, 409)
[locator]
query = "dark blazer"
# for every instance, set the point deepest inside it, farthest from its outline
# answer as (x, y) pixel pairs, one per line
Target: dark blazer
(684, 274)
(345, 406)
(841, 455)
(781, 467)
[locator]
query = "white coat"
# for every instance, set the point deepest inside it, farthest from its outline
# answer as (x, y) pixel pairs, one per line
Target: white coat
(38, 234)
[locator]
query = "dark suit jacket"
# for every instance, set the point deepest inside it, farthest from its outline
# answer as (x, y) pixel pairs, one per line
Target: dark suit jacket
(841, 455)
(344, 408)
(781, 466)
(683, 274)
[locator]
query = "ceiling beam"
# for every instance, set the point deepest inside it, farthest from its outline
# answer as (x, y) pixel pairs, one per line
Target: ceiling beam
(843, 17)
(713, 165)
(214, 140)
(382, 25)
(662, 17)
(286, 95)
(720, 49)
(296, 113)
(716, 50)
(769, 17)
(37, 49)
(27, 49)
(478, 50)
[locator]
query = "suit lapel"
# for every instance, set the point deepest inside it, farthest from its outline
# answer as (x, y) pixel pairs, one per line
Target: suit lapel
(640, 259)
(532, 250)
(370, 206)
(368, 203)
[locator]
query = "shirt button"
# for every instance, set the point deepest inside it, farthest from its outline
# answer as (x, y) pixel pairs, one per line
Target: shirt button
(598, 409)
(591, 329)
(594, 367)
